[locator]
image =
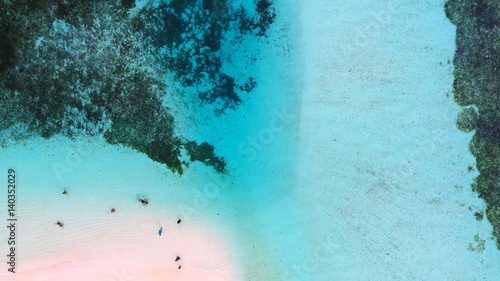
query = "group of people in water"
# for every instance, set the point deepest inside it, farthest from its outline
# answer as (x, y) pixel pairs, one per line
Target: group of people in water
(143, 201)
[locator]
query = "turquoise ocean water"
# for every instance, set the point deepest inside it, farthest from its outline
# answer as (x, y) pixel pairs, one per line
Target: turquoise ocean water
(232, 78)
(317, 139)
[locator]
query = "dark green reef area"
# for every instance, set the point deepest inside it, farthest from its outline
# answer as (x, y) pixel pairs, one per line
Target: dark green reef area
(476, 88)
(95, 68)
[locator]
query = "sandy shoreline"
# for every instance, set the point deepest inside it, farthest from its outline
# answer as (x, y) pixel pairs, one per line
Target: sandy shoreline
(380, 189)
(150, 260)
(95, 243)
(246, 222)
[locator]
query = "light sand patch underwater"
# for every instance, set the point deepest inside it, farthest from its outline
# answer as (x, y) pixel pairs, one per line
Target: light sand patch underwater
(383, 169)
(334, 119)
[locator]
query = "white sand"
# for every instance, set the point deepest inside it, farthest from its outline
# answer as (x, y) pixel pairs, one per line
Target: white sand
(383, 170)
(381, 190)
(96, 244)
(250, 212)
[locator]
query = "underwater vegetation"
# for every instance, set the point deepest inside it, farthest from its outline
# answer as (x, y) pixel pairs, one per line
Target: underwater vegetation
(92, 68)
(477, 86)
(189, 33)
(467, 119)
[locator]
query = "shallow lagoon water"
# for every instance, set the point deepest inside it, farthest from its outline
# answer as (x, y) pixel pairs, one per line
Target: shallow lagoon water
(344, 162)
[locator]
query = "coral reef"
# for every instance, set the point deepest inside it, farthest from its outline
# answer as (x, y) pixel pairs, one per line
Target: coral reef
(90, 67)
(477, 82)
(467, 119)
(189, 34)
(204, 152)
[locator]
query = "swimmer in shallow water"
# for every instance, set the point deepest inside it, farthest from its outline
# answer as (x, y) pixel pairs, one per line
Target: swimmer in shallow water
(143, 201)
(60, 224)
(179, 221)
(65, 193)
(160, 231)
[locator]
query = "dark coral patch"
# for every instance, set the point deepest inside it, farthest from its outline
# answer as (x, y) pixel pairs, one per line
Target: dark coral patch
(190, 33)
(477, 82)
(204, 153)
(467, 119)
(80, 69)
(128, 3)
